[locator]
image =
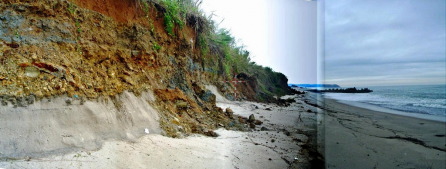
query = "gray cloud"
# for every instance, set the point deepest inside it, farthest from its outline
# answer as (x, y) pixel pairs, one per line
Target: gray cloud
(379, 40)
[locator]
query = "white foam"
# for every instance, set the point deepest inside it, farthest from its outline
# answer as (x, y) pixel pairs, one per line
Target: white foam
(392, 111)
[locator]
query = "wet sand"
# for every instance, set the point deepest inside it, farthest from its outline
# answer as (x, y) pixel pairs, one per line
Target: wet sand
(355, 137)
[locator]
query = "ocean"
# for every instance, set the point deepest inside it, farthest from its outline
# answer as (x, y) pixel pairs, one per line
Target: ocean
(422, 100)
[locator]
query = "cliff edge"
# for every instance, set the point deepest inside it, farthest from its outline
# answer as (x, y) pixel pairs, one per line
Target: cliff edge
(82, 52)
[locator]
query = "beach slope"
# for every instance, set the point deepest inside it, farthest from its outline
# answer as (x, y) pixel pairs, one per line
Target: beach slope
(361, 138)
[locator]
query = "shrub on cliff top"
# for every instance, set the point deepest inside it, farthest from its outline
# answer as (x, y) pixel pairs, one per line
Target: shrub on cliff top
(219, 43)
(173, 16)
(177, 12)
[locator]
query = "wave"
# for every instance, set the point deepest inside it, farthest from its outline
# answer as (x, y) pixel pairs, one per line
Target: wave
(403, 101)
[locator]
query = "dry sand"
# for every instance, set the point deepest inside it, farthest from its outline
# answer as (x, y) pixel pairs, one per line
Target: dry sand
(279, 145)
(361, 138)
(51, 126)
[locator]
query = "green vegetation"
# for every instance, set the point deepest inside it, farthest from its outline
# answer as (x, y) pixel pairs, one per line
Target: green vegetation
(145, 7)
(202, 43)
(176, 12)
(78, 26)
(78, 30)
(221, 55)
(237, 60)
(173, 16)
(16, 33)
(156, 46)
(169, 24)
(71, 8)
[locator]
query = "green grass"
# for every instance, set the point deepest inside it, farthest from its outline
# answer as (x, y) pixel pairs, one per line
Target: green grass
(71, 8)
(145, 7)
(78, 26)
(169, 24)
(220, 52)
(173, 16)
(17, 34)
(202, 44)
(156, 46)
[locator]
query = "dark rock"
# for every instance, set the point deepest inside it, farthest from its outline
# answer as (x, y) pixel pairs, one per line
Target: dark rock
(205, 95)
(253, 106)
(269, 109)
(30, 99)
(258, 122)
(287, 133)
(251, 118)
(208, 96)
(264, 129)
(211, 133)
(198, 89)
(4, 103)
(297, 140)
(13, 45)
(68, 101)
(21, 102)
(229, 112)
(242, 76)
(309, 111)
(82, 101)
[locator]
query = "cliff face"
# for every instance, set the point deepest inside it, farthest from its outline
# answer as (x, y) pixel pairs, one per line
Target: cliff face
(88, 49)
(55, 48)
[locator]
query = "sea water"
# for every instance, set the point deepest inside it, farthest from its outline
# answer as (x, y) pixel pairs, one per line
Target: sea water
(428, 100)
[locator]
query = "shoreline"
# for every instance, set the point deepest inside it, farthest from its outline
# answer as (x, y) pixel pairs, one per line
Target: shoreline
(391, 111)
(358, 137)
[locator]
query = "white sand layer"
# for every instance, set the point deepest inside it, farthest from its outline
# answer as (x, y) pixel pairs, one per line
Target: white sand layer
(52, 126)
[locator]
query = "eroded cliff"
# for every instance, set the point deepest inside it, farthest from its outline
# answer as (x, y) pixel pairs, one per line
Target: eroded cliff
(97, 49)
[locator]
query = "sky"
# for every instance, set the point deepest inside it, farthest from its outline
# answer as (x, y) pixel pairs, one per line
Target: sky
(385, 42)
(280, 34)
(359, 42)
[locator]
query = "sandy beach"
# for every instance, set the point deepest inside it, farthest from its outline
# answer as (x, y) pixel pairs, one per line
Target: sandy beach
(361, 138)
(284, 140)
(347, 136)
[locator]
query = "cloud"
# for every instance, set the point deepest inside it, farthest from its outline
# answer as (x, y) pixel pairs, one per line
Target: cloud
(377, 39)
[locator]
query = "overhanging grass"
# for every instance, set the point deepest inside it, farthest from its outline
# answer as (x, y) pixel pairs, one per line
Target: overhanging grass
(219, 50)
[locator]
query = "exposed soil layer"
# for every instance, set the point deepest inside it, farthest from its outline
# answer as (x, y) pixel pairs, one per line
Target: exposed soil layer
(120, 10)
(90, 49)
(84, 53)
